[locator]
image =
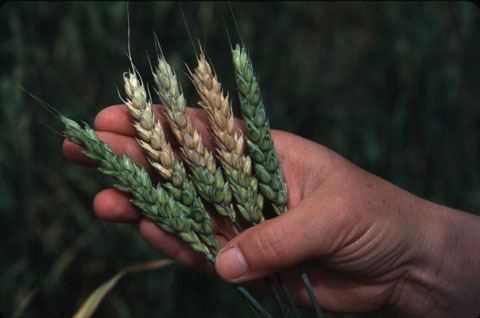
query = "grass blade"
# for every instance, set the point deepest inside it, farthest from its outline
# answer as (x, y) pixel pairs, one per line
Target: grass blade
(90, 305)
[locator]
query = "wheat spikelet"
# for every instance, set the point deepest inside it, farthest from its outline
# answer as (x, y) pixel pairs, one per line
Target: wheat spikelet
(160, 154)
(230, 144)
(149, 131)
(207, 176)
(154, 202)
(260, 145)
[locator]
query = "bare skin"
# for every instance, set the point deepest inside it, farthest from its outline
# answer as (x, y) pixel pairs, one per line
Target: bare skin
(368, 244)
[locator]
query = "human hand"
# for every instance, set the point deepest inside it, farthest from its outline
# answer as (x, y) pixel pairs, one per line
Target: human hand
(368, 244)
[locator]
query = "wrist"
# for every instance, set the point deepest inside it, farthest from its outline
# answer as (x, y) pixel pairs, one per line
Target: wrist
(443, 279)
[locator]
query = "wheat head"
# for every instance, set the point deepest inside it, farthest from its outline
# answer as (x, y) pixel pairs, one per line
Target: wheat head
(207, 176)
(259, 140)
(154, 202)
(151, 138)
(230, 144)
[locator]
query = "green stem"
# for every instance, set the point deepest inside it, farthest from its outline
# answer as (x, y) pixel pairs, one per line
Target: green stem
(288, 294)
(276, 296)
(257, 314)
(269, 283)
(252, 301)
(311, 294)
(254, 304)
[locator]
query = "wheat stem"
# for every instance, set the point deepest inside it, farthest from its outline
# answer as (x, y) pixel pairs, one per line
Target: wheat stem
(255, 305)
(287, 293)
(246, 294)
(311, 293)
(269, 282)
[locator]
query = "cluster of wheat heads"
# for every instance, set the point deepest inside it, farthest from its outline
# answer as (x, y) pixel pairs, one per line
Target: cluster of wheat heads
(240, 181)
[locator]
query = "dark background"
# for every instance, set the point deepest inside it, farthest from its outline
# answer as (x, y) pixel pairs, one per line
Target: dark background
(394, 87)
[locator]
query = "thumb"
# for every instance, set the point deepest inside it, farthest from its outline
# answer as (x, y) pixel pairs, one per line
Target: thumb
(304, 232)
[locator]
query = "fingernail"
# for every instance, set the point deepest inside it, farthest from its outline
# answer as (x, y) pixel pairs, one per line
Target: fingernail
(231, 264)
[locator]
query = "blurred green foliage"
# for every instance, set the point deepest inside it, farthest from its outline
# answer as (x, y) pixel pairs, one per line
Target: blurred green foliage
(394, 87)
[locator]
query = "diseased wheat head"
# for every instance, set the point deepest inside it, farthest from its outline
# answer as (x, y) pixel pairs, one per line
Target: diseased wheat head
(151, 138)
(150, 134)
(230, 143)
(207, 176)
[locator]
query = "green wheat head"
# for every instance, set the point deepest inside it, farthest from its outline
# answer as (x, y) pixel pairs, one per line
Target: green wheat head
(259, 140)
(154, 202)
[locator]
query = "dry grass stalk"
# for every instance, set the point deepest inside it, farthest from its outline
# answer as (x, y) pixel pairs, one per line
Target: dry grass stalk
(230, 143)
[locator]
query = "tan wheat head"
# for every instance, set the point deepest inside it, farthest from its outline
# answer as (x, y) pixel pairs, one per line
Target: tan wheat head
(229, 143)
